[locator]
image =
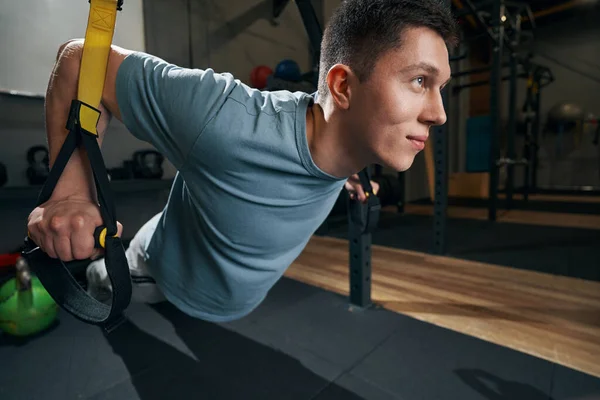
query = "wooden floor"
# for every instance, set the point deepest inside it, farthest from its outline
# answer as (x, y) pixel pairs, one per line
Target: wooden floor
(551, 317)
(565, 220)
(555, 198)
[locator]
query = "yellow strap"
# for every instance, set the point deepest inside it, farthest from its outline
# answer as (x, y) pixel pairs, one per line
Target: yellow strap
(98, 38)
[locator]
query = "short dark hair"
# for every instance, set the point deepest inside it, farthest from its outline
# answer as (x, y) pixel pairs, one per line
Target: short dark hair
(360, 31)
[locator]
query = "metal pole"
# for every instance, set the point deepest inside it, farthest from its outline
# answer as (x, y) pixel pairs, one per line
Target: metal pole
(440, 157)
(536, 133)
(475, 70)
(360, 268)
(402, 199)
(512, 117)
(313, 29)
(458, 88)
(495, 104)
(440, 137)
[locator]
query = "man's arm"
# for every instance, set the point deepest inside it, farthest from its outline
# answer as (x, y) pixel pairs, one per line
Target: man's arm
(77, 179)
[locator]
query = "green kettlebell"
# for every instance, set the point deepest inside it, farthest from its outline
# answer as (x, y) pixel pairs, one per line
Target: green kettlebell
(26, 308)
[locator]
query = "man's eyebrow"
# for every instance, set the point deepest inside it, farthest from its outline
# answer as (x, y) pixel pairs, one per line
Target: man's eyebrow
(433, 70)
(424, 66)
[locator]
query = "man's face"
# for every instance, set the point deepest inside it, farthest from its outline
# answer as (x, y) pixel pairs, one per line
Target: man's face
(401, 100)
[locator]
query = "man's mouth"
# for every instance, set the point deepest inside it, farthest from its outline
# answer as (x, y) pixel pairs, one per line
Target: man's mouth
(418, 141)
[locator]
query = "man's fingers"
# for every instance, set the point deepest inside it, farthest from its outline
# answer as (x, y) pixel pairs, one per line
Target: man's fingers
(360, 193)
(97, 253)
(82, 244)
(375, 186)
(62, 246)
(47, 246)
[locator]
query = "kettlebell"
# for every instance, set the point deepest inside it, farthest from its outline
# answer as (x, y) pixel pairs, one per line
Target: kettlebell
(3, 175)
(26, 308)
(38, 160)
(147, 164)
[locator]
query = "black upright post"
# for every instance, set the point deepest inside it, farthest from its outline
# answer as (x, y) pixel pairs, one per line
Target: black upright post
(440, 157)
(360, 267)
(362, 221)
(495, 103)
(315, 34)
(440, 143)
(536, 132)
(402, 194)
(512, 118)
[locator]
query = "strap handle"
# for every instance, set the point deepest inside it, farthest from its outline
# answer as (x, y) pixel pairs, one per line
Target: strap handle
(54, 274)
(82, 123)
(365, 217)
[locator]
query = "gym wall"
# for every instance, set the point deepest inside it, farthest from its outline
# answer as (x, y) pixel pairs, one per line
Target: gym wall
(31, 32)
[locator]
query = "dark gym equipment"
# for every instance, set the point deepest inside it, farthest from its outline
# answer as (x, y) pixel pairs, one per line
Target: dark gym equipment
(122, 173)
(362, 222)
(440, 146)
(538, 77)
(147, 164)
(503, 29)
(390, 189)
(3, 175)
(144, 164)
(38, 170)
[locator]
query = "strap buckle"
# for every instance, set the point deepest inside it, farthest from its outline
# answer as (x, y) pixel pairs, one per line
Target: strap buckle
(119, 4)
(84, 116)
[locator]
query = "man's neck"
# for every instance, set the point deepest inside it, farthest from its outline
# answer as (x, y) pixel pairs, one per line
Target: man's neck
(330, 144)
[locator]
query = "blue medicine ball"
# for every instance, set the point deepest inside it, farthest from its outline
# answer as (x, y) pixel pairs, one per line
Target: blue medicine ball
(288, 70)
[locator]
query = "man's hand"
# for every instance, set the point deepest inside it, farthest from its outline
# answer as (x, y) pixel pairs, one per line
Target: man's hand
(355, 189)
(64, 228)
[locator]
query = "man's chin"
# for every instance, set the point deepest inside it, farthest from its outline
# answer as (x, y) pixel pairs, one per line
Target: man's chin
(399, 165)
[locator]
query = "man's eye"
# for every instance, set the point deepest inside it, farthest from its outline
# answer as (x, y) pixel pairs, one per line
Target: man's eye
(420, 80)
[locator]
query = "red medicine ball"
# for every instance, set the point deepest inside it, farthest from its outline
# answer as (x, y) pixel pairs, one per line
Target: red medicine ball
(259, 75)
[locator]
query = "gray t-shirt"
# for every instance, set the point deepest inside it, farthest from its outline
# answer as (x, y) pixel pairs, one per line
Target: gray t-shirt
(247, 196)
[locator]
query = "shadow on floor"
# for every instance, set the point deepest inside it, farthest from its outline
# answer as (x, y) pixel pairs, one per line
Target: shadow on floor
(223, 364)
(495, 388)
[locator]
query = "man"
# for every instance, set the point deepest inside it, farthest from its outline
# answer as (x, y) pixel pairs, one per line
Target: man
(258, 172)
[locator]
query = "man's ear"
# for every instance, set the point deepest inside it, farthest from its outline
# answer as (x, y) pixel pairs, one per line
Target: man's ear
(339, 79)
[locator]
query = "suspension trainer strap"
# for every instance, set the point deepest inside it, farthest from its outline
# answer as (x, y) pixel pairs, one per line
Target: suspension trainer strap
(365, 217)
(82, 123)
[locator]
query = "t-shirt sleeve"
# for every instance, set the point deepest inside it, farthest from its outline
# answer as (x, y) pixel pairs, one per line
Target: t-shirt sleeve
(166, 105)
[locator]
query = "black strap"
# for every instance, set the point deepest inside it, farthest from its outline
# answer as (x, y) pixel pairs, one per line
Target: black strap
(54, 274)
(365, 217)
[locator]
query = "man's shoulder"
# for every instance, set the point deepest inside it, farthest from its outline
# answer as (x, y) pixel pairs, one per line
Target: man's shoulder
(269, 101)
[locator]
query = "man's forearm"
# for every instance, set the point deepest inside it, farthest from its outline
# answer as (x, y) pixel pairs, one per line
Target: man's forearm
(77, 178)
